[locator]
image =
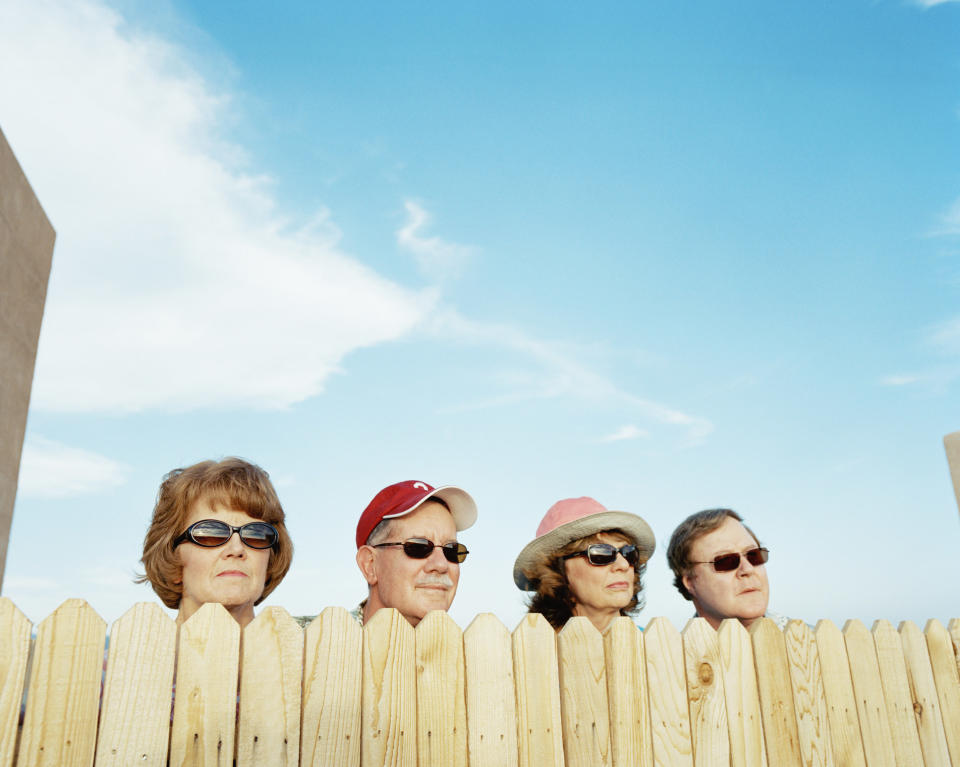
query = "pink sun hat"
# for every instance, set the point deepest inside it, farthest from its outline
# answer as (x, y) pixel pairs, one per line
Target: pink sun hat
(574, 518)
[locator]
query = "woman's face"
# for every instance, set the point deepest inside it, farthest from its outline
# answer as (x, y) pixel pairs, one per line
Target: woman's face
(233, 574)
(601, 588)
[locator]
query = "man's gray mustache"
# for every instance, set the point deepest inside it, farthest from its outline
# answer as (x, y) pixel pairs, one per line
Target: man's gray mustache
(436, 580)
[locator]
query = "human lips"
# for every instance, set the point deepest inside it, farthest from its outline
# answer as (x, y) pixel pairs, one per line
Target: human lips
(619, 585)
(231, 574)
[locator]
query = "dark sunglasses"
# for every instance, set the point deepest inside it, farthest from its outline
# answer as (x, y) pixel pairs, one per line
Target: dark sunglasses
(421, 548)
(727, 562)
(211, 533)
(600, 554)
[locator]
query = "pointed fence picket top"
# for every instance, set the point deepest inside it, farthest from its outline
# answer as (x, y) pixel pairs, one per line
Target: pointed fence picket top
(630, 739)
(539, 733)
(896, 694)
(742, 698)
(809, 700)
(667, 692)
(60, 724)
(776, 694)
(954, 628)
(14, 653)
(868, 694)
(490, 697)
(271, 669)
(332, 674)
(923, 692)
(838, 688)
(944, 666)
(441, 705)
(584, 710)
(389, 725)
(709, 732)
(135, 714)
(205, 698)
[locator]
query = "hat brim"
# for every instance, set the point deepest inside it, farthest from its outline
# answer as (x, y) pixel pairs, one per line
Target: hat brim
(634, 527)
(462, 507)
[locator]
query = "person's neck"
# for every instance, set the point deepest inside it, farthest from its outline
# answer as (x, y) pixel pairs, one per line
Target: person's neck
(599, 617)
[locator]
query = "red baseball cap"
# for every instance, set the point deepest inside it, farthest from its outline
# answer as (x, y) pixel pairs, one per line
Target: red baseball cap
(404, 497)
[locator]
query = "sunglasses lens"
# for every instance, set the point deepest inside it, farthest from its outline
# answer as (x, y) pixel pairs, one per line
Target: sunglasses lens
(455, 552)
(630, 553)
(726, 563)
(757, 557)
(258, 535)
(600, 554)
(210, 533)
(417, 548)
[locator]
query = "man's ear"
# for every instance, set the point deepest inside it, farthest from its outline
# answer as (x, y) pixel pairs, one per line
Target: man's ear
(367, 564)
(688, 584)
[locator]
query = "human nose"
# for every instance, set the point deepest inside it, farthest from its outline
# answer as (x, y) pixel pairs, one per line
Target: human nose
(234, 547)
(620, 562)
(437, 561)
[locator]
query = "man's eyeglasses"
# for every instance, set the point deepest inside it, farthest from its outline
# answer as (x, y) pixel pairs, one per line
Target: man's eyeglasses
(421, 548)
(600, 554)
(727, 562)
(211, 533)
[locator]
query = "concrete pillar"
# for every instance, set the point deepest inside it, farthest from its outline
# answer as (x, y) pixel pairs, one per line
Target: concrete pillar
(26, 250)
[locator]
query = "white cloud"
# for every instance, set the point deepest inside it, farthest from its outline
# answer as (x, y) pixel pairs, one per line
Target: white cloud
(931, 3)
(899, 380)
(625, 432)
(176, 282)
(50, 469)
(436, 258)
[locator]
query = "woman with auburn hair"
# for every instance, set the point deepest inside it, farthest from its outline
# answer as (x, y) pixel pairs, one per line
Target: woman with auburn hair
(585, 561)
(217, 535)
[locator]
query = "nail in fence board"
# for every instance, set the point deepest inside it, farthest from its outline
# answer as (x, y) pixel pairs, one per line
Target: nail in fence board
(60, 724)
(135, 715)
(742, 698)
(868, 692)
(14, 652)
(897, 694)
(776, 695)
(491, 705)
(333, 659)
(923, 692)
(944, 667)
(666, 680)
(441, 708)
(583, 695)
(630, 739)
(705, 695)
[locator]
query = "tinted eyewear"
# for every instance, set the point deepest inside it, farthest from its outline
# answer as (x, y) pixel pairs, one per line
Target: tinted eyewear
(728, 562)
(600, 554)
(211, 533)
(421, 548)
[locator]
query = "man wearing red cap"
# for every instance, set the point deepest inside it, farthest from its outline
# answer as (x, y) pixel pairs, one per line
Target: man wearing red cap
(407, 548)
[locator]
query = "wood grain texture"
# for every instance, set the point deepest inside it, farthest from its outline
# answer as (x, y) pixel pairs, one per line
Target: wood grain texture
(60, 723)
(135, 715)
(491, 701)
(776, 694)
(838, 689)
(584, 709)
(742, 697)
(944, 667)
(897, 694)
(954, 628)
(271, 673)
(332, 690)
(666, 678)
(868, 692)
(630, 738)
(810, 703)
(923, 694)
(705, 695)
(539, 733)
(441, 705)
(14, 653)
(205, 700)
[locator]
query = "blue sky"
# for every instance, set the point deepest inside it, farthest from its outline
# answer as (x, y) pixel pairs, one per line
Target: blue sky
(669, 255)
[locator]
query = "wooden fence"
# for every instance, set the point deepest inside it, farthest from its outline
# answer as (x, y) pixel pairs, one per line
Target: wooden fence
(340, 695)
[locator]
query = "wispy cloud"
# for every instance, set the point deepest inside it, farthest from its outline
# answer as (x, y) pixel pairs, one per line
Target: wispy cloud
(50, 469)
(177, 283)
(931, 3)
(625, 432)
(437, 258)
(900, 380)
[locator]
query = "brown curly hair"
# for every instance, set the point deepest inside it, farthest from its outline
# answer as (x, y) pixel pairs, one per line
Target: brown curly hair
(553, 598)
(232, 482)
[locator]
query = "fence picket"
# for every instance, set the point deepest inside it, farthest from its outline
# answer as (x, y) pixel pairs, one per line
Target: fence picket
(705, 695)
(626, 667)
(896, 693)
(14, 652)
(205, 699)
(667, 688)
(491, 704)
(389, 727)
(809, 700)
(838, 689)
(944, 667)
(923, 693)
(742, 698)
(539, 734)
(60, 723)
(333, 659)
(868, 695)
(441, 707)
(584, 709)
(271, 670)
(135, 715)
(776, 694)
(954, 628)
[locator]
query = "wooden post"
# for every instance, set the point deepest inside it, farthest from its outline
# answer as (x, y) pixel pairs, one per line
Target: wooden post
(951, 443)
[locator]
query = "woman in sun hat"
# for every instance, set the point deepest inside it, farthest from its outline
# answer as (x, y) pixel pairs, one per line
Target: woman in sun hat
(585, 561)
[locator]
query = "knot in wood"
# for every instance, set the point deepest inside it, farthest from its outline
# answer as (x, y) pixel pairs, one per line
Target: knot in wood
(917, 707)
(706, 674)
